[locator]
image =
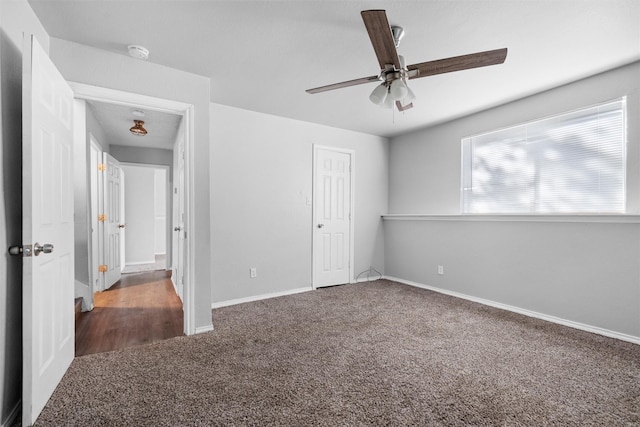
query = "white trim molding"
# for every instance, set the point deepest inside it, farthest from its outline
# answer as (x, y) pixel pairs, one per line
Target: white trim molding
(230, 302)
(603, 218)
(525, 312)
(203, 329)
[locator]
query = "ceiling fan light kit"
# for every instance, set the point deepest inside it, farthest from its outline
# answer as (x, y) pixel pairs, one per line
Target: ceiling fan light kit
(393, 71)
(379, 94)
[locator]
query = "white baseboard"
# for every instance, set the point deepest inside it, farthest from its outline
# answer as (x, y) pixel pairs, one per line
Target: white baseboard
(258, 297)
(203, 329)
(13, 415)
(542, 316)
(128, 264)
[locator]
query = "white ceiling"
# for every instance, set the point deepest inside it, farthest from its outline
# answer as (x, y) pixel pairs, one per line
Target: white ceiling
(262, 55)
(116, 120)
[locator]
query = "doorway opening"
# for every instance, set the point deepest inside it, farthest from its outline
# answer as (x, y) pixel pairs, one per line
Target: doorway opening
(146, 206)
(179, 160)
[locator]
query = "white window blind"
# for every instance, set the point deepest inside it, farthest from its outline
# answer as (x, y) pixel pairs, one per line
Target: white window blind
(570, 163)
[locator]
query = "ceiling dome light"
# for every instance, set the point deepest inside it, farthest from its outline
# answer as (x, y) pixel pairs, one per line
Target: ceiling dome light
(398, 89)
(379, 94)
(138, 128)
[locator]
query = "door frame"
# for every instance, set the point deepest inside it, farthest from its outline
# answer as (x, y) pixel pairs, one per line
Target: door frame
(168, 190)
(97, 246)
(352, 155)
(114, 96)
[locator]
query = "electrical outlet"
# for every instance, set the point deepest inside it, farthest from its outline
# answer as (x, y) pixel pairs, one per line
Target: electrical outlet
(441, 270)
(253, 272)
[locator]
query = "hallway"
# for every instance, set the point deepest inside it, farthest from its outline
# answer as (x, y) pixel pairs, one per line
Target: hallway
(139, 309)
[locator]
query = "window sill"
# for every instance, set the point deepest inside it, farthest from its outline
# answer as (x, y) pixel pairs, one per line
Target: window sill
(589, 218)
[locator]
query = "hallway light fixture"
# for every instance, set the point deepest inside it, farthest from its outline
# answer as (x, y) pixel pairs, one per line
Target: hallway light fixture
(138, 128)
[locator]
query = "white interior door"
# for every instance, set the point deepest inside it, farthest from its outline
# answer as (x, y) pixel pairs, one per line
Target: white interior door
(47, 204)
(112, 220)
(97, 246)
(178, 221)
(332, 205)
(122, 221)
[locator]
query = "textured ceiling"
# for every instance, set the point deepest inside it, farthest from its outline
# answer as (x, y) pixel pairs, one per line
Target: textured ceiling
(115, 120)
(262, 55)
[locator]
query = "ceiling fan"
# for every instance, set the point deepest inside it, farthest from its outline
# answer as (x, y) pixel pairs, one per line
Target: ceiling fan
(394, 73)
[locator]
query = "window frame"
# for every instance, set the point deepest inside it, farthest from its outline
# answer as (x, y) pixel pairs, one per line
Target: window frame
(466, 161)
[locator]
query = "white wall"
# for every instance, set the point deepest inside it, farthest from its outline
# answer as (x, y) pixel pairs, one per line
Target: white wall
(261, 176)
(160, 211)
(139, 214)
(84, 64)
(16, 17)
(584, 272)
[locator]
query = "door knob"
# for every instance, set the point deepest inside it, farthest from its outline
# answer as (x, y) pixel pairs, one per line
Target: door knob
(320, 225)
(47, 248)
(178, 228)
(121, 225)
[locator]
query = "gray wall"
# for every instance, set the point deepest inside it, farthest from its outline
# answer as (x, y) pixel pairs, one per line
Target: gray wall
(95, 128)
(261, 176)
(144, 156)
(15, 17)
(139, 202)
(586, 272)
(83, 64)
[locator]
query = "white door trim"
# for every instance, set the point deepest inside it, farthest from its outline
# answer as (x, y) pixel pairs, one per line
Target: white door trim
(352, 155)
(97, 247)
(113, 96)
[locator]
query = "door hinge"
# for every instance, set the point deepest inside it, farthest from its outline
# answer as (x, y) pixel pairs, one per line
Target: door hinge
(102, 167)
(102, 268)
(102, 217)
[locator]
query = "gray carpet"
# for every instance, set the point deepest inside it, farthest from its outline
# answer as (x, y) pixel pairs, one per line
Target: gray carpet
(377, 353)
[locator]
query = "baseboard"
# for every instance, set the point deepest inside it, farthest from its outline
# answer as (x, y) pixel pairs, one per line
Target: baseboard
(153, 261)
(258, 297)
(13, 415)
(535, 314)
(203, 329)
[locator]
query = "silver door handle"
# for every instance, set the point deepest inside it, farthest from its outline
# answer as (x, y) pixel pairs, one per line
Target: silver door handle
(47, 248)
(121, 225)
(178, 228)
(320, 225)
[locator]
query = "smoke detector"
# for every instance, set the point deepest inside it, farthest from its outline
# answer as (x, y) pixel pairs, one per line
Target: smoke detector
(137, 51)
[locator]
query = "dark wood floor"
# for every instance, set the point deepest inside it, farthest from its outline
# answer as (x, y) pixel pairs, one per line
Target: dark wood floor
(139, 309)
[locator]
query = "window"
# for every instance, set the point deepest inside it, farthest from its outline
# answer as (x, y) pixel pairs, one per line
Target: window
(570, 163)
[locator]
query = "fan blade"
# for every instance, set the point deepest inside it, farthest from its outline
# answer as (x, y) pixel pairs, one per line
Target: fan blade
(344, 84)
(457, 63)
(381, 37)
(403, 107)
